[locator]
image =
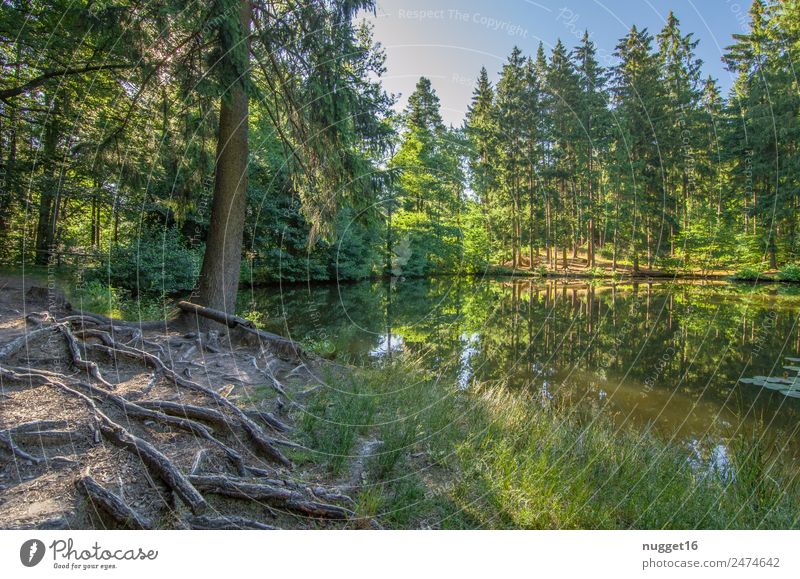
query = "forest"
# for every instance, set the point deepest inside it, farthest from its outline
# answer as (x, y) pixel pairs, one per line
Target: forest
(111, 115)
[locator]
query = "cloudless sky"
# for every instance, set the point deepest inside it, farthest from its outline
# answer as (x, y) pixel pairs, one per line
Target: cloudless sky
(448, 41)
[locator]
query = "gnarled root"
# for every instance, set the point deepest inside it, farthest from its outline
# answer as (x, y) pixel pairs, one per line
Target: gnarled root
(279, 496)
(107, 501)
(206, 523)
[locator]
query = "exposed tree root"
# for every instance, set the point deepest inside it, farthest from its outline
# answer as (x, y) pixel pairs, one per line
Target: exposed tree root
(278, 496)
(83, 316)
(138, 411)
(48, 437)
(161, 425)
(159, 464)
(206, 523)
(38, 426)
(113, 505)
(15, 346)
(77, 360)
(152, 457)
(7, 442)
(262, 441)
(188, 411)
(269, 419)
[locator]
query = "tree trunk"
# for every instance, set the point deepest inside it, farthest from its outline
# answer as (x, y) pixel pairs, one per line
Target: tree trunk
(219, 276)
(45, 223)
(548, 232)
(530, 220)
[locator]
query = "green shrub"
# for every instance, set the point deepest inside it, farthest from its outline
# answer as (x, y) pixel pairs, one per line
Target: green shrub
(749, 274)
(157, 263)
(789, 272)
(94, 296)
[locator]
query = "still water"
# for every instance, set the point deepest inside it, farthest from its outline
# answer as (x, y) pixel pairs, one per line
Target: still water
(659, 356)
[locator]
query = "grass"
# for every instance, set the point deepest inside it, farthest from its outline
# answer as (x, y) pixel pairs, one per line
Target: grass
(493, 458)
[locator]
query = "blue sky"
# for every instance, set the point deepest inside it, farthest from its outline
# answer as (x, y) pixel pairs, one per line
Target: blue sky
(449, 41)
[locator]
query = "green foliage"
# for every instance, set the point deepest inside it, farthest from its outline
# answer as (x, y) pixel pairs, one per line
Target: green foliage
(790, 272)
(423, 246)
(477, 246)
(280, 248)
(255, 316)
(644, 161)
(750, 274)
(157, 263)
(426, 230)
(94, 296)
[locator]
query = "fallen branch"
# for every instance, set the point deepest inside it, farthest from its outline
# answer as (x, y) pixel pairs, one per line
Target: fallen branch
(215, 315)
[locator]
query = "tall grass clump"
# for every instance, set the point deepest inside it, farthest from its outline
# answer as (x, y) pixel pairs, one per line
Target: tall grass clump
(493, 457)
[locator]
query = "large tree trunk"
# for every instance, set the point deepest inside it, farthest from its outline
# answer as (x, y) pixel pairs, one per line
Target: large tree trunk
(219, 276)
(10, 189)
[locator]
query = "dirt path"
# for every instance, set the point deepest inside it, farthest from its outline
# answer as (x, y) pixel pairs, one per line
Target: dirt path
(110, 425)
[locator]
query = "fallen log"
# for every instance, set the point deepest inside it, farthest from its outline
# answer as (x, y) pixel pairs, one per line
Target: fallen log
(282, 346)
(215, 315)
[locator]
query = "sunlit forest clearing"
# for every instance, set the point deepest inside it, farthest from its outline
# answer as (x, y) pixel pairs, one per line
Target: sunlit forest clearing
(242, 288)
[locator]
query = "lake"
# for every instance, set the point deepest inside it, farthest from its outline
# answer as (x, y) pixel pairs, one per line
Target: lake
(660, 356)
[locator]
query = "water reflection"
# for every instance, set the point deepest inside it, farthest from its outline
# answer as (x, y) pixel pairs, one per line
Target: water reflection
(665, 357)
